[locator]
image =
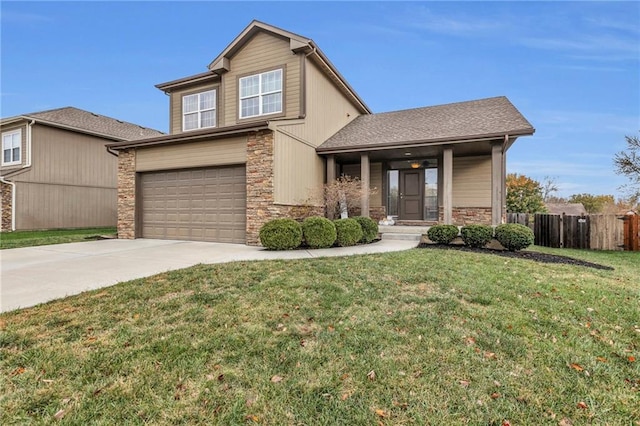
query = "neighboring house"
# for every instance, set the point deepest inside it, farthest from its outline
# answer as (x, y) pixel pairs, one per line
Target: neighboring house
(55, 171)
(569, 209)
(272, 120)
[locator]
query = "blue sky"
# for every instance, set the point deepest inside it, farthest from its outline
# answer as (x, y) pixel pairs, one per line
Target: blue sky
(572, 68)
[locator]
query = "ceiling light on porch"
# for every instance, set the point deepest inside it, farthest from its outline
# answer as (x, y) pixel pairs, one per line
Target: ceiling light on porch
(415, 165)
(407, 154)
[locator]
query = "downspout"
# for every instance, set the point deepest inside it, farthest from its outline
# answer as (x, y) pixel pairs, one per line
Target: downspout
(13, 201)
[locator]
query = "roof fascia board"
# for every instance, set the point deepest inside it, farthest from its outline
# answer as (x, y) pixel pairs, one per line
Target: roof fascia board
(414, 144)
(190, 137)
(64, 126)
(198, 78)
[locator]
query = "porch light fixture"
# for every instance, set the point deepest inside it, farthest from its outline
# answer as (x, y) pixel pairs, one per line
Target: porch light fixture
(415, 165)
(407, 154)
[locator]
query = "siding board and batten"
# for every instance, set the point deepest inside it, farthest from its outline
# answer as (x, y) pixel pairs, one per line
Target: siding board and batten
(263, 52)
(80, 194)
(298, 172)
(196, 154)
(472, 181)
(375, 180)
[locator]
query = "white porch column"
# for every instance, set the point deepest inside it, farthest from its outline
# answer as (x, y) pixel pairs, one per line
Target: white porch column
(447, 184)
(365, 182)
(497, 183)
(331, 168)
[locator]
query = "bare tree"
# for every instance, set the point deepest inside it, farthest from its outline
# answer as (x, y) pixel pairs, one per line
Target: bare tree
(549, 187)
(628, 163)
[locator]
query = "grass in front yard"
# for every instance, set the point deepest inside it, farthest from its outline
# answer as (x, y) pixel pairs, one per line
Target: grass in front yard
(416, 337)
(52, 236)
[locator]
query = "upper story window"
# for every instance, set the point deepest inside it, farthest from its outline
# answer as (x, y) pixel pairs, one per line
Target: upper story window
(11, 147)
(261, 94)
(199, 110)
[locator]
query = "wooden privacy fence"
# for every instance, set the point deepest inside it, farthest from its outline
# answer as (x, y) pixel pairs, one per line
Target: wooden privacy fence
(597, 232)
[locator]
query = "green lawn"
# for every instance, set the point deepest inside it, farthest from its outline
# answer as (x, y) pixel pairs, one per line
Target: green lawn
(53, 236)
(419, 337)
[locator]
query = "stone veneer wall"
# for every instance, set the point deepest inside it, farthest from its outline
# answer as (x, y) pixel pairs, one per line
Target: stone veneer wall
(375, 213)
(7, 206)
(469, 216)
(260, 200)
(127, 194)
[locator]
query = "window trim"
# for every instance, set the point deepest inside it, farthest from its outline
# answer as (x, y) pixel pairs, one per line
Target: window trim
(261, 94)
(200, 111)
(19, 160)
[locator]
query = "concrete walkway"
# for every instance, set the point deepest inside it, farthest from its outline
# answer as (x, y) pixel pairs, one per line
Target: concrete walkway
(34, 275)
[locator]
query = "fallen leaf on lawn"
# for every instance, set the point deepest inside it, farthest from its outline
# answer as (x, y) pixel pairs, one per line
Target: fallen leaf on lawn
(582, 405)
(252, 418)
(601, 359)
(497, 383)
(632, 359)
(464, 383)
(495, 395)
(276, 379)
(344, 376)
(136, 316)
(490, 355)
(250, 400)
(303, 343)
(371, 375)
(506, 423)
(577, 367)
(382, 413)
(221, 378)
(331, 328)
(17, 371)
(48, 380)
(402, 405)
(565, 422)
(344, 396)
(60, 414)
(470, 341)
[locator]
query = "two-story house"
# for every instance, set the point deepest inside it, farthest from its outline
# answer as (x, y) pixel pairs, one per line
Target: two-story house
(55, 171)
(272, 120)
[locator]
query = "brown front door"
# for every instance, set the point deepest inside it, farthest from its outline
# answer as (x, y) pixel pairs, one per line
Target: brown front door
(411, 194)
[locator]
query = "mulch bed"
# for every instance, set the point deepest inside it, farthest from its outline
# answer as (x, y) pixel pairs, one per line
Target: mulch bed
(528, 255)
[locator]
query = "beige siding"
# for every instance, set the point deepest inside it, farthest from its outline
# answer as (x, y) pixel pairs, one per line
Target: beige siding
(50, 206)
(472, 181)
(23, 147)
(71, 184)
(375, 176)
(69, 158)
(263, 52)
(328, 110)
(197, 154)
(175, 105)
(298, 172)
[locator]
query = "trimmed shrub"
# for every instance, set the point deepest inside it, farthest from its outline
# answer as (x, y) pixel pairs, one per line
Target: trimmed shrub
(281, 234)
(349, 232)
(476, 235)
(369, 229)
(514, 236)
(442, 234)
(318, 232)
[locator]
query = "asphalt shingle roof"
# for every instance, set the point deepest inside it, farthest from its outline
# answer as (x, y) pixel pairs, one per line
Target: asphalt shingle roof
(456, 121)
(95, 123)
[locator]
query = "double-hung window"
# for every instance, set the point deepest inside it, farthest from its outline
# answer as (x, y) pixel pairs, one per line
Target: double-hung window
(261, 94)
(199, 110)
(11, 147)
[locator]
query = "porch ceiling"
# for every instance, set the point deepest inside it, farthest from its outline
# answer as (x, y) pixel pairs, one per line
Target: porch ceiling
(419, 151)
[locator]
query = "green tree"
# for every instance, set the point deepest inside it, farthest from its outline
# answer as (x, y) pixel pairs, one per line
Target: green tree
(524, 195)
(628, 163)
(592, 203)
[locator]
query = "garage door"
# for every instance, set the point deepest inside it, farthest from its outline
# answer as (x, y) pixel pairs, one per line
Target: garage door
(206, 204)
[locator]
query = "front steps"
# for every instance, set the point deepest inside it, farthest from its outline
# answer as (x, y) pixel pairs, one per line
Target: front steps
(401, 232)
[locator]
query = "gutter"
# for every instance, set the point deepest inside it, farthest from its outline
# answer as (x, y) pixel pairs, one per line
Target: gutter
(408, 144)
(13, 201)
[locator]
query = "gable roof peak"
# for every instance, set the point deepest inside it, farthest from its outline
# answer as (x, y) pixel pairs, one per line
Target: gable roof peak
(297, 42)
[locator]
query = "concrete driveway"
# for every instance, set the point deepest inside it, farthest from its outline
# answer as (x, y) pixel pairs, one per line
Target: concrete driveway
(34, 275)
